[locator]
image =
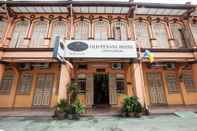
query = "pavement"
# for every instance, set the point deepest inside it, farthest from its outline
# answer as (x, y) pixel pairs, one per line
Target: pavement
(102, 123)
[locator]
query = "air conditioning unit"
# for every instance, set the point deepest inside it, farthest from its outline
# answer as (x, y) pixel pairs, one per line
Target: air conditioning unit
(41, 65)
(24, 66)
(117, 66)
(170, 66)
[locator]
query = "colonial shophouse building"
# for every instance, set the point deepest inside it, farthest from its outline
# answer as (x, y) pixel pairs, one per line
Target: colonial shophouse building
(31, 77)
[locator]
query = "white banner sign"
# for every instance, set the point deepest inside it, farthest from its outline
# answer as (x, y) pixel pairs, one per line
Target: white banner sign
(100, 49)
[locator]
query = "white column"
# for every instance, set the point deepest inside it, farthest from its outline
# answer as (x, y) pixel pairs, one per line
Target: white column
(64, 81)
(139, 82)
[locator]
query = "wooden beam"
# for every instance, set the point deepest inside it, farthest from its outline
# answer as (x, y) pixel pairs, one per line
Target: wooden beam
(187, 14)
(9, 12)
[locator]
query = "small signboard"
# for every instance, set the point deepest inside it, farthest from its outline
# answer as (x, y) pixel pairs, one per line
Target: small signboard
(59, 49)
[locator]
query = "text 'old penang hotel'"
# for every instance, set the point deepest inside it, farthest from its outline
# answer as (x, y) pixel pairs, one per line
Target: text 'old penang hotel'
(103, 44)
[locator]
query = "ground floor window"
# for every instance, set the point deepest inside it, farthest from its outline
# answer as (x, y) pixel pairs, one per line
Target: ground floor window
(120, 83)
(171, 80)
(25, 83)
(82, 85)
(6, 83)
(188, 81)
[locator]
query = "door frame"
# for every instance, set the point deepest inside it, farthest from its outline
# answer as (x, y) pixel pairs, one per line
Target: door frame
(107, 74)
(163, 86)
(35, 88)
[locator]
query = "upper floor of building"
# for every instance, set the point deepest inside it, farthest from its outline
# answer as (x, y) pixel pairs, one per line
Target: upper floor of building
(36, 24)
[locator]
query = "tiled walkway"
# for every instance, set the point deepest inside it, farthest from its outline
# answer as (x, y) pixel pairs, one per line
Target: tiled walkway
(146, 123)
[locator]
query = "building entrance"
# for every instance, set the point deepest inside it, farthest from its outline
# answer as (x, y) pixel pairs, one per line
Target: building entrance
(101, 89)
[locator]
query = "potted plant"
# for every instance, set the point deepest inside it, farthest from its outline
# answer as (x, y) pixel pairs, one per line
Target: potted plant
(75, 110)
(126, 108)
(136, 107)
(60, 110)
(131, 107)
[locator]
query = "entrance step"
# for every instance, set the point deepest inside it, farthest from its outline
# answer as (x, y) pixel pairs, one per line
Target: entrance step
(162, 110)
(186, 114)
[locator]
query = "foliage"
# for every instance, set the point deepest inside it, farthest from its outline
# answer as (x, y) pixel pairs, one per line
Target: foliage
(75, 108)
(131, 105)
(73, 91)
(61, 106)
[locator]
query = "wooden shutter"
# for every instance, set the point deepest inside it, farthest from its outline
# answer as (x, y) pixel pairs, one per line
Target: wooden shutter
(112, 90)
(171, 80)
(43, 91)
(188, 81)
(177, 31)
(101, 28)
(2, 28)
(6, 82)
(89, 91)
(25, 83)
(161, 35)
(120, 31)
(194, 31)
(19, 34)
(141, 30)
(156, 90)
(59, 29)
(39, 32)
(81, 30)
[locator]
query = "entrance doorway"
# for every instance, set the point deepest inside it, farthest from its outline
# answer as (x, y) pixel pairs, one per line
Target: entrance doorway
(101, 89)
(156, 89)
(44, 85)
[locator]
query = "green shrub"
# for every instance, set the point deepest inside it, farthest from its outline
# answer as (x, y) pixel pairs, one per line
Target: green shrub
(131, 105)
(61, 105)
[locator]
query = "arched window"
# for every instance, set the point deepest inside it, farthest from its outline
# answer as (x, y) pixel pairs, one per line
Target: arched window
(194, 31)
(160, 33)
(101, 28)
(142, 34)
(2, 28)
(81, 30)
(178, 34)
(59, 29)
(19, 33)
(120, 30)
(38, 34)
(6, 82)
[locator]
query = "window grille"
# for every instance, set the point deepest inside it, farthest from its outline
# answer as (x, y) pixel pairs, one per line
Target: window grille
(188, 81)
(25, 83)
(171, 82)
(6, 82)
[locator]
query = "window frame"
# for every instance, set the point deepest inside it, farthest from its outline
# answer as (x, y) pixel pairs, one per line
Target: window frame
(32, 43)
(8, 89)
(107, 29)
(13, 31)
(18, 91)
(75, 30)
